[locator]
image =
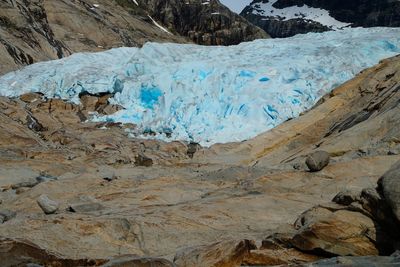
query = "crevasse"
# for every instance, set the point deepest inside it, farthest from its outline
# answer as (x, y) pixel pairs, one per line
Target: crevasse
(211, 94)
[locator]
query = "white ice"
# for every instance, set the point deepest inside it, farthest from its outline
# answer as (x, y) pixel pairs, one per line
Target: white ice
(211, 94)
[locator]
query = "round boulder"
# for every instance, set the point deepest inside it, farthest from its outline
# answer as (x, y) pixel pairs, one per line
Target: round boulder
(317, 160)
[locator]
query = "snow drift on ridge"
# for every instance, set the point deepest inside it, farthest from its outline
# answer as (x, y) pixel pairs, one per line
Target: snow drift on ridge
(211, 94)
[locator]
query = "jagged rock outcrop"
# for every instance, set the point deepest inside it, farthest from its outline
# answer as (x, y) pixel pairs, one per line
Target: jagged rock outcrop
(204, 22)
(279, 20)
(33, 31)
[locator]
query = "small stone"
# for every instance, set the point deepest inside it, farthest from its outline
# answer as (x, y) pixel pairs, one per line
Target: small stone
(47, 205)
(85, 207)
(192, 149)
(21, 190)
(110, 178)
(6, 215)
(31, 97)
(28, 184)
(297, 166)
(142, 160)
(346, 197)
(34, 124)
(396, 254)
(317, 160)
(45, 177)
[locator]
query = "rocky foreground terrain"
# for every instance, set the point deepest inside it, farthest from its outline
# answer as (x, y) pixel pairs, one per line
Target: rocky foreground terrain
(78, 193)
(39, 30)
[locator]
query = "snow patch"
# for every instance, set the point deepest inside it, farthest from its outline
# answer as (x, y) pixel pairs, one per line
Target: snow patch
(158, 25)
(295, 12)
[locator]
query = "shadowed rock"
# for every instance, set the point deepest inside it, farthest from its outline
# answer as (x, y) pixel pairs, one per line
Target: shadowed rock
(346, 197)
(389, 184)
(6, 215)
(143, 160)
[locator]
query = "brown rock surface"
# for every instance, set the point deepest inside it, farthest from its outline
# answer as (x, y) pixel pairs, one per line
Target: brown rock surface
(32, 31)
(237, 191)
(336, 232)
(222, 254)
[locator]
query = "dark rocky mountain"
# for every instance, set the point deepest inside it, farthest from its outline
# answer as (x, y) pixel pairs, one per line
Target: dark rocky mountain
(284, 18)
(204, 22)
(32, 31)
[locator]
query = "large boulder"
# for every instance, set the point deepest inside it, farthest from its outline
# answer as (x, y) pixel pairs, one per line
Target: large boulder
(332, 230)
(47, 205)
(389, 186)
(317, 160)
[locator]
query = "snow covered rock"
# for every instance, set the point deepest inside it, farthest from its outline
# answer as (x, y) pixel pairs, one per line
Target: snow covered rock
(283, 18)
(210, 94)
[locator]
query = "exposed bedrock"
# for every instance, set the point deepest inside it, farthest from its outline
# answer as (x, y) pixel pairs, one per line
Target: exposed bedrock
(253, 202)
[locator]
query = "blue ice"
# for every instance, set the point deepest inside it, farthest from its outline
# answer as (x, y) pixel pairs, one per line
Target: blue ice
(210, 94)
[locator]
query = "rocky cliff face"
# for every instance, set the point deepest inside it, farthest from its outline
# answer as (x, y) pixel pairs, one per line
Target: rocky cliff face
(204, 22)
(32, 31)
(283, 18)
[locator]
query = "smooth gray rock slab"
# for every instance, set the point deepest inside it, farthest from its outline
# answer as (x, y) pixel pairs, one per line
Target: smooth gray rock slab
(85, 207)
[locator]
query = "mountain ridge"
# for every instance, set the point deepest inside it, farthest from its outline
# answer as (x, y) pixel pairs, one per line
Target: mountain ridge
(284, 18)
(32, 31)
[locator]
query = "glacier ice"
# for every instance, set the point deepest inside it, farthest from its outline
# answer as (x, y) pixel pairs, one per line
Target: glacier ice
(211, 94)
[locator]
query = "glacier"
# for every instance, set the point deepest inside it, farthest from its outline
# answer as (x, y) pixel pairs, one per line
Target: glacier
(210, 94)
